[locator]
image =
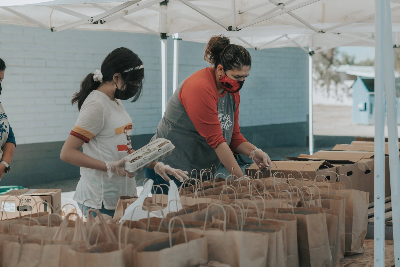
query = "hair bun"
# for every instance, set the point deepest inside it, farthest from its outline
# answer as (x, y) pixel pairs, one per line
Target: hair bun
(215, 47)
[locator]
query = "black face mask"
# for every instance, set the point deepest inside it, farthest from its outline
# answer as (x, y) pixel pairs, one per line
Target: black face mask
(129, 92)
(0, 89)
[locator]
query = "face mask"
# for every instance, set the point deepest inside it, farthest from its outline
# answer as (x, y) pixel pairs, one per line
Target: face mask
(230, 85)
(0, 89)
(129, 92)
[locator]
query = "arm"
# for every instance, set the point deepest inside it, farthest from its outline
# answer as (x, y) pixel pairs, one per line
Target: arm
(70, 153)
(245, 148)
(8, 151)
(226, 157)
(9, 147)
(257, 155)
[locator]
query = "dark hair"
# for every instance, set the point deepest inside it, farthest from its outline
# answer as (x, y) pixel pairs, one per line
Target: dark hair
(219, 50)
(118, 61)
(2, 65)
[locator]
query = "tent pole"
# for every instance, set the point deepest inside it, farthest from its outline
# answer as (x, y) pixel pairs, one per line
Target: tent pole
(163, 36)
(391, 106)
(310, 103)
(176, 62)
(379, 174)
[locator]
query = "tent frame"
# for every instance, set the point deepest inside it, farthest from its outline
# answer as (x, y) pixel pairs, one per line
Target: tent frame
(384, 81)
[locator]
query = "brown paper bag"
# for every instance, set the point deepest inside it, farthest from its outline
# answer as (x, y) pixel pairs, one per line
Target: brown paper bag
(63, 233)
(276, 232)
(356, 219)
(163, 223)
(332, 220)
(3, 238)
(338, 204)
(44, 219)
(312, 236)
(31, 254)
(122, 205)
(101, 255)
(99, 232)
(290, 222)
(236, 248)
(135, 237)
(30, 229)
(284, 241)
(184, 248)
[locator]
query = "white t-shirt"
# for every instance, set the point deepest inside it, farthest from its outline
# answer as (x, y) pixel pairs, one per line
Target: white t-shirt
(106, 128)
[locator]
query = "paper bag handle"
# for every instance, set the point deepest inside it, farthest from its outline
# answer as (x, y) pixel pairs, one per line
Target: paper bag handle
(215, 204)
(258, 212)
(241, 213)
(169, 230)
(38, 211)
(291, 200)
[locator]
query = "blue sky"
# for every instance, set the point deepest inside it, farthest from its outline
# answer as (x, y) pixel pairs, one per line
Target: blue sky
(360, 52)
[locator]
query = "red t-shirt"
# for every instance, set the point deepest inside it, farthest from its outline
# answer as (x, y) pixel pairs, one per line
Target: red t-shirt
(199, 96)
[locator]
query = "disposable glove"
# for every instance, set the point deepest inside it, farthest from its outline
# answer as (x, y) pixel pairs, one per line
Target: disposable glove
(163, 170)
(260, 158)
(118, 168)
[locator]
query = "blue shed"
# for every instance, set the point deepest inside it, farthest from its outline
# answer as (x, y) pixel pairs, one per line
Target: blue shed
(364, 100)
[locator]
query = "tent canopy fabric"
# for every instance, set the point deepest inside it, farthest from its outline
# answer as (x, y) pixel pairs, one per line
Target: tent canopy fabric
(254, 24)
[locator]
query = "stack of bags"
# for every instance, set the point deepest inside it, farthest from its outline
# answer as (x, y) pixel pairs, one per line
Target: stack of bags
(274, 221)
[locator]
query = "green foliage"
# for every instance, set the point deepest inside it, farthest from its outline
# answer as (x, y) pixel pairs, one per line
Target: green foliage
(325, 63)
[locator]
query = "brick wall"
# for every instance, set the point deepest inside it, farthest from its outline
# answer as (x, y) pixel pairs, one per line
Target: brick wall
(44, 70)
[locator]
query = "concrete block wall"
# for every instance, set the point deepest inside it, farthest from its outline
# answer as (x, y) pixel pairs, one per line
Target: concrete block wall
(44, 69)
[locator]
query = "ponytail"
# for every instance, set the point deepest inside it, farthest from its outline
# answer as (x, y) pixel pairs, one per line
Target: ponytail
(220, 51)
(87, 86)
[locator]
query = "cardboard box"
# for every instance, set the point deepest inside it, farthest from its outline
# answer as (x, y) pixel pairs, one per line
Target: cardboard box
(357, 165)
(368, 139)
(308, 169)
(357, 147)
(27, 201)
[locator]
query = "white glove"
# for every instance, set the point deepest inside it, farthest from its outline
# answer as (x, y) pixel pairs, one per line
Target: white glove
(260, 158)
(163, 170)
(118, 168)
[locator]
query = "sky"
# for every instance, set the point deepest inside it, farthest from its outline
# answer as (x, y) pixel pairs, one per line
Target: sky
(360, 52)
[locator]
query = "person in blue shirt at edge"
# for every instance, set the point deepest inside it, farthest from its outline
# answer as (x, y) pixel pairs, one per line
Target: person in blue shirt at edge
(7, 138)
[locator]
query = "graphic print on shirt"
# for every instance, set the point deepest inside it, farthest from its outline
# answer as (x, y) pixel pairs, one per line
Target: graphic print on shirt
(225, 120)
(127, 130)
(4, 126)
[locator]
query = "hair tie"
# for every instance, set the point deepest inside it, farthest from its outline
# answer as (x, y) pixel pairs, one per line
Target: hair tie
(97, 76)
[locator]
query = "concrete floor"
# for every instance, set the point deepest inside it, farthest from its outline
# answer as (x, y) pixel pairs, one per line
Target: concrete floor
(337, 121)
(367, 258)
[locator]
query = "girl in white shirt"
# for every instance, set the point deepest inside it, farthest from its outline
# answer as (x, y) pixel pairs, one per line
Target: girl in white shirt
(103, 130)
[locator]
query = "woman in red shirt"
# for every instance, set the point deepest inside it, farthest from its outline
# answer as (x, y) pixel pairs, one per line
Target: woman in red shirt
(202, 116)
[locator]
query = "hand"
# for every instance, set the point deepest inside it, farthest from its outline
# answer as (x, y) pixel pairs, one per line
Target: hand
(261, 159)
(163, 170)
(118, 168)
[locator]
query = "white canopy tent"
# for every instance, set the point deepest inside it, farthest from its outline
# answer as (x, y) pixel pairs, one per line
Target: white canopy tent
(254, 24)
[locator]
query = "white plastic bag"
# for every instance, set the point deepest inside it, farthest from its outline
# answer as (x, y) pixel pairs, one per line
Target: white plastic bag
(135, 211)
